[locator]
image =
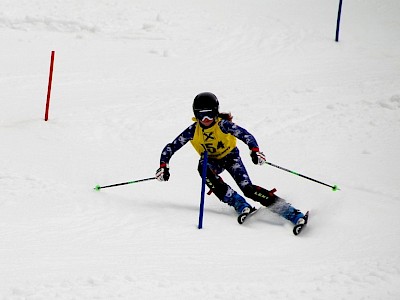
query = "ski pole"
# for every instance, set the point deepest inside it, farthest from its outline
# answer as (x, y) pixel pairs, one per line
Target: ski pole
(98, 187)
(334, 187)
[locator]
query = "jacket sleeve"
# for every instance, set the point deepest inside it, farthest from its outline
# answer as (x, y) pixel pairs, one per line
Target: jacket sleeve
(239, 132)
(177, 144)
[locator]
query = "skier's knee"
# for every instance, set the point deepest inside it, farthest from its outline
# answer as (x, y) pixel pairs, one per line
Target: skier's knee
(214, 182)
(200, 169)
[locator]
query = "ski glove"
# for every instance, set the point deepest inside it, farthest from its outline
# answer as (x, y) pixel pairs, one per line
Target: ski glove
(162, 173)
(257, 157)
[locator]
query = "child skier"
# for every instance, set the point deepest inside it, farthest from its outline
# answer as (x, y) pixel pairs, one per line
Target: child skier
(215, 133)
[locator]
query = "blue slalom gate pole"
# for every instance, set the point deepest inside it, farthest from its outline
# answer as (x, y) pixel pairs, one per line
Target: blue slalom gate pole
(338, 20)
(203, 189)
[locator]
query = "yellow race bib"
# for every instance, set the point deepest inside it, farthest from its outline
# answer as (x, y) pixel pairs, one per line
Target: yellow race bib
(213, 140)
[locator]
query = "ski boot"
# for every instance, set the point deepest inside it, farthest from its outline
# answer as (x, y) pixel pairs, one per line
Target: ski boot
(232, 198)
(300, 224)
(286, 210)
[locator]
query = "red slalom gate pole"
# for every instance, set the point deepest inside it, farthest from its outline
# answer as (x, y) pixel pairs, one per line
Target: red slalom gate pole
(46, 116)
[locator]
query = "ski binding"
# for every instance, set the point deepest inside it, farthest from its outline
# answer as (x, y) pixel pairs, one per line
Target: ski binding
(299, 227)
(242, 217)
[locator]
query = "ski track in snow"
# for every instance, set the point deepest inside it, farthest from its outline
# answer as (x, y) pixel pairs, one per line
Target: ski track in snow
(125, 76)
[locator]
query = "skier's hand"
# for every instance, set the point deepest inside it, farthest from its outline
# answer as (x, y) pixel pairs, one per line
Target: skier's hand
(257, 157)
(162, 173)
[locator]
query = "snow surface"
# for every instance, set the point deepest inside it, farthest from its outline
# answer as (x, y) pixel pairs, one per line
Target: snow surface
(124, 78)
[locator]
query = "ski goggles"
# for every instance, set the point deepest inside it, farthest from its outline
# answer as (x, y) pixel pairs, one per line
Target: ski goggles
(205, 114)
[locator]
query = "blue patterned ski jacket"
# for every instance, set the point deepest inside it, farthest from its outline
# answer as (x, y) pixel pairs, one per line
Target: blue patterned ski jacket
(226, 127)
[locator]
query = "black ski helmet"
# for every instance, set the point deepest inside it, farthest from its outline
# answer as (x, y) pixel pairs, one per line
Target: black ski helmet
(205, 104)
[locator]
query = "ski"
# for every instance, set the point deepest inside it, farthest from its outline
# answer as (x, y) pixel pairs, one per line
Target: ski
(299, 227)
(242, 217)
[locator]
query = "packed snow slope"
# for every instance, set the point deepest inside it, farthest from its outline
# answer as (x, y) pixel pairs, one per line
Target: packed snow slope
(125, 75)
